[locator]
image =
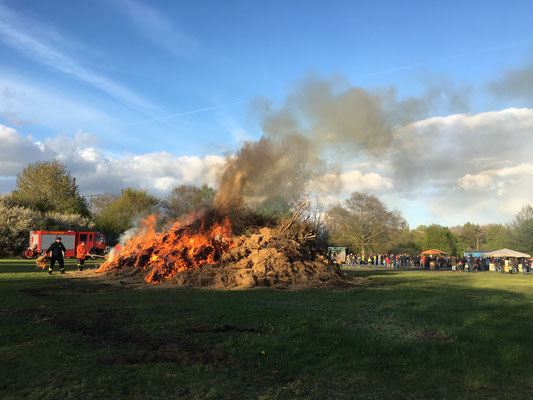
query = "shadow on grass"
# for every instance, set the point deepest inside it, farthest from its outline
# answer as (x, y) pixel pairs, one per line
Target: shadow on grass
(365, 273)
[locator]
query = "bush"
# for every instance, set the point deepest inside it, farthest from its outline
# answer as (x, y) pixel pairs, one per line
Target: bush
(15, 224)
(55, 221)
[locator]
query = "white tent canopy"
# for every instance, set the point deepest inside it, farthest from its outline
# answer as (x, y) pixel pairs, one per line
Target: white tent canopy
(506, 253)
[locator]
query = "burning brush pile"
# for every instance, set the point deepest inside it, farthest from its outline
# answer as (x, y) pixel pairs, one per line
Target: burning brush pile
(217, 249)
(205, 253)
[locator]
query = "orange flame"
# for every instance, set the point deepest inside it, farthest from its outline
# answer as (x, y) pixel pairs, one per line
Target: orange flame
(164, 254)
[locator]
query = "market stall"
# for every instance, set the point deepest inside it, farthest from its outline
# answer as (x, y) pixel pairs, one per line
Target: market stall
(505, 254)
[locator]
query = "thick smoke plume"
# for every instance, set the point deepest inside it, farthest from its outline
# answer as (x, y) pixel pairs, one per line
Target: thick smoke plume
(318, 118)
(315, 116)
(265, 169)
(516, 83)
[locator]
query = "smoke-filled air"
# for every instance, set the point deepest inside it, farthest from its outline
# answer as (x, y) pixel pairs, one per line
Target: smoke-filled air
(319, 117)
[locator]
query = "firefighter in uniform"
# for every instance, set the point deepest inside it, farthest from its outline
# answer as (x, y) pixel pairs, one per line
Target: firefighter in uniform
(81, 252)
(57, 249)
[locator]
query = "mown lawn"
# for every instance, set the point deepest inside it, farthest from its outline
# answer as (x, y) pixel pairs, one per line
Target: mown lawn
(408, 335)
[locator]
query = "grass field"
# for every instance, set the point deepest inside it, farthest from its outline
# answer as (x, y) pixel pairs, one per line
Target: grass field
(408, 335)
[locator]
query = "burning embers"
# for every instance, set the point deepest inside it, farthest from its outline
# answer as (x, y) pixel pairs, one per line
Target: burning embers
(162, 255)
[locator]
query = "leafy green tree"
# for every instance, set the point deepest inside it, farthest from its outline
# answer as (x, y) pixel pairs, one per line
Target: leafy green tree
(121, 213)
(470, 236)
(48, 186)
(438, 237)
(521, 227)
(187, 198)
(404, 242)
(497, 236)
(419, 236)
(364, 223)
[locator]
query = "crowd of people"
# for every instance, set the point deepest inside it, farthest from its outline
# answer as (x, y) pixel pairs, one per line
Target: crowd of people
(455, 263)
(387, 260)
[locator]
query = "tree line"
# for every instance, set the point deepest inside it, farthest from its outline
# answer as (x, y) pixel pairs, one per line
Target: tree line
(364, 224)
(47, 198)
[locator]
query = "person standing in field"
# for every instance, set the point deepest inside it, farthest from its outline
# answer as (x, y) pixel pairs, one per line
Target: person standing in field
(81, 253)
(426, 262)
(56, 250)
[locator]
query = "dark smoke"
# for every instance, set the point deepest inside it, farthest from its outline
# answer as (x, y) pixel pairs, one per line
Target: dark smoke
(318, 116)
(516, 83)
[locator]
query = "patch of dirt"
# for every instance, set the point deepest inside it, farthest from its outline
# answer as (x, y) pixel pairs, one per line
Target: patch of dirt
(173, 352)
(433, 335)
(34, 292)
(227, 329)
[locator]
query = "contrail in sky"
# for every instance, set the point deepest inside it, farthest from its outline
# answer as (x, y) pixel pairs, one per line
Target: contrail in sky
(448, 57)
(26, 36)
(188, 112)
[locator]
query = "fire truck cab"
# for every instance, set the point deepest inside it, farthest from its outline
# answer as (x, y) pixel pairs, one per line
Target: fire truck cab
(41, 240)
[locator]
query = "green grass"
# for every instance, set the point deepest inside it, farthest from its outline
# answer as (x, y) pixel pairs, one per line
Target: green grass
(411, 334)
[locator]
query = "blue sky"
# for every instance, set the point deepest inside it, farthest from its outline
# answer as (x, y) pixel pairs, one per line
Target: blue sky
(141, 77)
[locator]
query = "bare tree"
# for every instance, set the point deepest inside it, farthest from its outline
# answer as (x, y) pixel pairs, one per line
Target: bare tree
(363, 223)
(187, 198)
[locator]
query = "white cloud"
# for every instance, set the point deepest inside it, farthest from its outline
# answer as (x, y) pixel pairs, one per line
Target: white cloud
(99, 172)
(343, 184)
(16, 151)
(497, 179)
(476, 182)
(466, 167)
(357, 181)
(438, 151)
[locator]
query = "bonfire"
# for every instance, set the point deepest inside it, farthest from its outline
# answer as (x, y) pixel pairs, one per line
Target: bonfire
(206, 252)
(164, 254)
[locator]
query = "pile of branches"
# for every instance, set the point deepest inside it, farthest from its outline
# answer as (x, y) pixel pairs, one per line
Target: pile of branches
(296, 236)
(261, 251)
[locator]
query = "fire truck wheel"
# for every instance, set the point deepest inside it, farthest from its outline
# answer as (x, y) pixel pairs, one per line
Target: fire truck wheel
(27, 253)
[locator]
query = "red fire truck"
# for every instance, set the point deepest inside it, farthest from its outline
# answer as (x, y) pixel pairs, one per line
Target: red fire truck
(41, 240)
